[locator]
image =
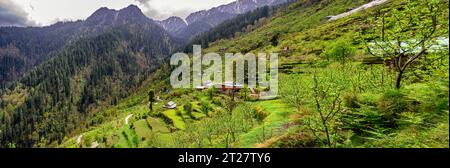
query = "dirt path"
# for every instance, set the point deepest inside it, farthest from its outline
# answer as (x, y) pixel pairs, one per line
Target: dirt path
(94, 144)
(79, 139)
(127, 118)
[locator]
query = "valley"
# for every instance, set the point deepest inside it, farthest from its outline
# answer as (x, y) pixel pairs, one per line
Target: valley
(109, 87)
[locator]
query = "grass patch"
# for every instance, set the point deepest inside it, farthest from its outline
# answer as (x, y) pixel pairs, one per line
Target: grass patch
(177, 121)
(197, 115)
(157, 125)
(279, 113)
(142, 129)
(127, 138)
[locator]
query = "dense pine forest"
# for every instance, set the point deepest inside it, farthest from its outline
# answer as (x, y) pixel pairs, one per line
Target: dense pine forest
(64, 93)
(375, 78)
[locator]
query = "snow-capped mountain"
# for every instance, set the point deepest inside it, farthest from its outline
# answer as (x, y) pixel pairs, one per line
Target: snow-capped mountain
(173, 25)
(201, 21)
(221, 13)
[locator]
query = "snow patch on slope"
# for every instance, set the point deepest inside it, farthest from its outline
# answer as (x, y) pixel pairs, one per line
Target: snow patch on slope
(365, 6)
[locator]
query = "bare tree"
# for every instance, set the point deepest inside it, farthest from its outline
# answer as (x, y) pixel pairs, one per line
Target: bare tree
(294, 90)
(327, 100)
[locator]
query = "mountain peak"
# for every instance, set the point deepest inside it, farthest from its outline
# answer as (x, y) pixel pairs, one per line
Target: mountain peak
(131, 8)
(102, 11)
(173, 24)
(175, 19)
(130, 14)
(216, 15)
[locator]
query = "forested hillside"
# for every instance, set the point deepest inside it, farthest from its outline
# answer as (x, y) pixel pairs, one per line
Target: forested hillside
(230, 28)
(339, 85)
(23, 48)
(68, 91)
(243, 23)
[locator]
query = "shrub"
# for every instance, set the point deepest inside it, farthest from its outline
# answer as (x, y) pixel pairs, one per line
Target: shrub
(260, 114)
(206, 107)
(351, 100)
(370, 99)
(188, 108)
(295, 140)
(391, 104)
(410, 119)
(216, 101)
(428, 98)
(340, 51)
(365, 121)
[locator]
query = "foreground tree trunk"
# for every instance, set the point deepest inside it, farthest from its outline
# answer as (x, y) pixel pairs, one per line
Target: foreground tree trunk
(398, 80)
(401, 67)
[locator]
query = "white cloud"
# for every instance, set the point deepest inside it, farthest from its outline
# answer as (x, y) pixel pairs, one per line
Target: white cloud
(162, 9)
(46, 12)
(13, 15)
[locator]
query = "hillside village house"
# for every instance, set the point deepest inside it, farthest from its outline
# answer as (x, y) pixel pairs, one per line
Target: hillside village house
(230, 86)
(170, 105)
(206, 85)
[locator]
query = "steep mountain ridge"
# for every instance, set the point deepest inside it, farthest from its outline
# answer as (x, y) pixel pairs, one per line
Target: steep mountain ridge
(221, 13)
(108, 17)
(35, 45)
(94, 69)
(202, 21)
(174, 25)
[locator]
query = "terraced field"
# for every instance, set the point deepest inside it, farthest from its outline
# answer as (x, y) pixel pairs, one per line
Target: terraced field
(278, 116)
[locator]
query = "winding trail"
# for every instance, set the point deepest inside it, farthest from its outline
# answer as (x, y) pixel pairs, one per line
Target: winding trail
(365, 6)
(94, 144)
(127, 118)
(79, 139)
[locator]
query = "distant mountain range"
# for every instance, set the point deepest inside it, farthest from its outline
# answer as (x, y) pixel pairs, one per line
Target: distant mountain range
(217, 15)
(202, 21)
(22, 48)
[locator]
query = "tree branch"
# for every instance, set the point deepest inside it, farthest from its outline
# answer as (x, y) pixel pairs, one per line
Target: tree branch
(410, 60)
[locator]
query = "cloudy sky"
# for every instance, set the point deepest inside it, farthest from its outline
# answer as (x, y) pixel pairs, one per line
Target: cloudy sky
(46, 12)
